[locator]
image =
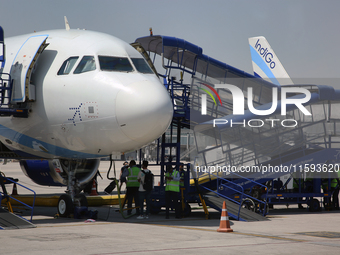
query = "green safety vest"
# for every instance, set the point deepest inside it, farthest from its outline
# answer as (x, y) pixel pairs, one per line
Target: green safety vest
(132, 179)
(334, 182)
(172, 185)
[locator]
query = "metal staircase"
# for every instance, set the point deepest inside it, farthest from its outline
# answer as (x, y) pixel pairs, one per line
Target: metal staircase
(8, 219)
(188, 75)
(16, 89)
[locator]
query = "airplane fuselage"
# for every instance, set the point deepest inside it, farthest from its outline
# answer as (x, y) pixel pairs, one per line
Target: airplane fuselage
(94, 96)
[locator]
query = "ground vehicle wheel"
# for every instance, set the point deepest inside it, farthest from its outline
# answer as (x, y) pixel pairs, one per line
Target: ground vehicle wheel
(65, 205)
(249, 204)
(314, 205)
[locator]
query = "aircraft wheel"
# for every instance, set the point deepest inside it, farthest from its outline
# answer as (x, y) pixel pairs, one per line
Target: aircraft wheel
(65, 205)
(249, 204)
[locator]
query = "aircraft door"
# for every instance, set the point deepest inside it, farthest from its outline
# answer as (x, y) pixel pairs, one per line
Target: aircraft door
(21, 69)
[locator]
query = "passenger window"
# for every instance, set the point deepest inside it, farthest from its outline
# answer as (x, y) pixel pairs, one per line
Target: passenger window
(115, 64)
(67, 65)
(86, 64)
(141, 65)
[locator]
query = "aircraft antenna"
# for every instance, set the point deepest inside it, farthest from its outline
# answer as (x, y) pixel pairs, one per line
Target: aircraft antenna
(67, 25)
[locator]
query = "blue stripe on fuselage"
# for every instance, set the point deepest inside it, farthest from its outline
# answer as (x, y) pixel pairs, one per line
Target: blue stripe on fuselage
(53, 150)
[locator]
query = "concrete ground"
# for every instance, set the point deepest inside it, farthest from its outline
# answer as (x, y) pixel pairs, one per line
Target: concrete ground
(289, 231)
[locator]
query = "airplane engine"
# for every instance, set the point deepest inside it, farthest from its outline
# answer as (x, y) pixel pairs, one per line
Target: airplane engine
(56, 172)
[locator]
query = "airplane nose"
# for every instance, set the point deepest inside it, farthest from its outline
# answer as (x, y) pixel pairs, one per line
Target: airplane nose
(144, 111)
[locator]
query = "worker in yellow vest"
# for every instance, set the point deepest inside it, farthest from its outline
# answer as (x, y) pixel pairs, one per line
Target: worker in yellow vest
(172, 179)
(132, 186)
(335, 191)
(296, 182)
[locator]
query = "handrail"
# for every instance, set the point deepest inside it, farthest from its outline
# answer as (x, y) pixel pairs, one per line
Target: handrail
(241, 191)
(3, 89)
(260, 184)
(243, 194)
(239, 209)
(31, 207)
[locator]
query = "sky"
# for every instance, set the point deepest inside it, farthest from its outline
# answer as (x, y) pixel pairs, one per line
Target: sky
(303, 33)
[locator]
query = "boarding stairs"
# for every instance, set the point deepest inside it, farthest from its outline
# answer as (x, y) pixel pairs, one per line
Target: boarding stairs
(8, 219)
(16, 90)
(6, 108)
(188, 75)
(218, 190)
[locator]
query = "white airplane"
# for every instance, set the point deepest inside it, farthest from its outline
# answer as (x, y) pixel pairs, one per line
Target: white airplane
(71, 97)
(266, 64)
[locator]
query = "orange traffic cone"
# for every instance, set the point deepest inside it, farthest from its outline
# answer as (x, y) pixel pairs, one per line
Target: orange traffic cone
(94, 189)
(14, 191)
(224, 223)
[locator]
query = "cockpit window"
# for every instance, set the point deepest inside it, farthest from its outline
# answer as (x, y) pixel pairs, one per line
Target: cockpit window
(141, 65)
(115, 64)
(67, 65)
(86, 64)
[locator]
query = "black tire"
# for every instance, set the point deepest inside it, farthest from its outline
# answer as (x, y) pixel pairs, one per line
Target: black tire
(81, 200)
(314, 205)
(249, 204)
(65, 205)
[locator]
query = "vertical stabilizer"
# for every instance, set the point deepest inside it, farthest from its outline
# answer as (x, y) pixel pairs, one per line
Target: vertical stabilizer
(67, 25)
(266, 65)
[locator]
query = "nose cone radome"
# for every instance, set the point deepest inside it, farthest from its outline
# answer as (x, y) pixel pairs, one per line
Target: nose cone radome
(144, 111)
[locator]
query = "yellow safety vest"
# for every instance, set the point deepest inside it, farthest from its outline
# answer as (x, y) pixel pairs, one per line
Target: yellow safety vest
(334, 182)
(172, 185)
(132, 179)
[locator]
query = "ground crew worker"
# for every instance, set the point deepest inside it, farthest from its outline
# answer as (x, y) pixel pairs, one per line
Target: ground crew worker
(326, 201)
(181, 185)
(132, 186)
(172, 179)
(309, 185)
(296, 188)
(335, 196)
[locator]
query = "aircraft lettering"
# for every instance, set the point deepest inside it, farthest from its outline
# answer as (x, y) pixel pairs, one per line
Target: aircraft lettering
(266, 55)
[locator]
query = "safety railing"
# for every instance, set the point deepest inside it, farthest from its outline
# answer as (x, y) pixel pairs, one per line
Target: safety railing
(26, 205)
(5, 89)
(241, 191)
(264, 201)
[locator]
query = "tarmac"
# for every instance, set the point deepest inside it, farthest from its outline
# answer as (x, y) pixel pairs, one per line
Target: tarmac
(289, 231)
